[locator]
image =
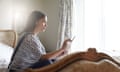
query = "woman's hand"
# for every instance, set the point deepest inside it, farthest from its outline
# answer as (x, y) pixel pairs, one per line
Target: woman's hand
(62, 51)
(66, 45)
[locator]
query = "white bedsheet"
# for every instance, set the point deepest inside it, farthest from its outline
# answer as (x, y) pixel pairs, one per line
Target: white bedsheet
(5, 55)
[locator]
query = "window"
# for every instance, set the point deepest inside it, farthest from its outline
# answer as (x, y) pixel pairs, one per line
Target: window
(96, 24)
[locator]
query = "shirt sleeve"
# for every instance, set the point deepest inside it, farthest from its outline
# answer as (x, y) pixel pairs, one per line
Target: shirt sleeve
(31, 48)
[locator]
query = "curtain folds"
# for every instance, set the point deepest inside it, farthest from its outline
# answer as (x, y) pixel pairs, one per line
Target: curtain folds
(65, 22)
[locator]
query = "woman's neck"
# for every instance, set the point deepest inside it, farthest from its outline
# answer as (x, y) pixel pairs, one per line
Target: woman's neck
(35, 32)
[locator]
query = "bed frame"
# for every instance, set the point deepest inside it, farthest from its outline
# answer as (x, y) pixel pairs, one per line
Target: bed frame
(91, 55)
(75, 62)
(8, 33)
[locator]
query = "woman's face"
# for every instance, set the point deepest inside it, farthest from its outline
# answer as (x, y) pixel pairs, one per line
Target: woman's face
(41, 24)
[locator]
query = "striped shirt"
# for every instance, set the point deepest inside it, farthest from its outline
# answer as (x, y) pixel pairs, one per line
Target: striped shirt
(28, 53)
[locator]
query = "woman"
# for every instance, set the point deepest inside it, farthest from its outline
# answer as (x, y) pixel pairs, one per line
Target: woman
(30, 53)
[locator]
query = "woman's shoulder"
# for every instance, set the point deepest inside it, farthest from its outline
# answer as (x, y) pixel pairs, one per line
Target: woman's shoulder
(27, 36)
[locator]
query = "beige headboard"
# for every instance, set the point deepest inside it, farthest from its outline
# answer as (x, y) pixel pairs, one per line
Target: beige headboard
(90, 61)
(8, 37)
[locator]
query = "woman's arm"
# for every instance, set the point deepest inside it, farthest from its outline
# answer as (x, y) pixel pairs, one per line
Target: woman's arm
(53, 55)
(66, 45)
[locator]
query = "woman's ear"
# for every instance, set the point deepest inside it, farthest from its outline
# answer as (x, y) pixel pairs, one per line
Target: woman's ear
(36, 23)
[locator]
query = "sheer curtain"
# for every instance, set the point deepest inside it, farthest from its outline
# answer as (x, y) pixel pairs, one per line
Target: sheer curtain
(65, 23)
(96, 24)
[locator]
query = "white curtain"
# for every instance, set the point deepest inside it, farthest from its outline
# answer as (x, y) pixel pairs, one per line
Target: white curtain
(65, 23)
(96, 24)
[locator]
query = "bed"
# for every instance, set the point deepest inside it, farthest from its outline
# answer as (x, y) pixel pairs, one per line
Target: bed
(8, 39)
(89, 61)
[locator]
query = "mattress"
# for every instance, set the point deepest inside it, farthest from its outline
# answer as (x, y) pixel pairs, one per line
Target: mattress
(5, 56)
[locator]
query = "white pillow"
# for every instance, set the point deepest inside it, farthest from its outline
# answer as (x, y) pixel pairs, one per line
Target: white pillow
(5, 53)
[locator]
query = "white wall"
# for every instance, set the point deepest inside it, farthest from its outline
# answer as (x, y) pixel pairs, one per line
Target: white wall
(51, 8)
(22, 9)
(5, 15)
(14, 13)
